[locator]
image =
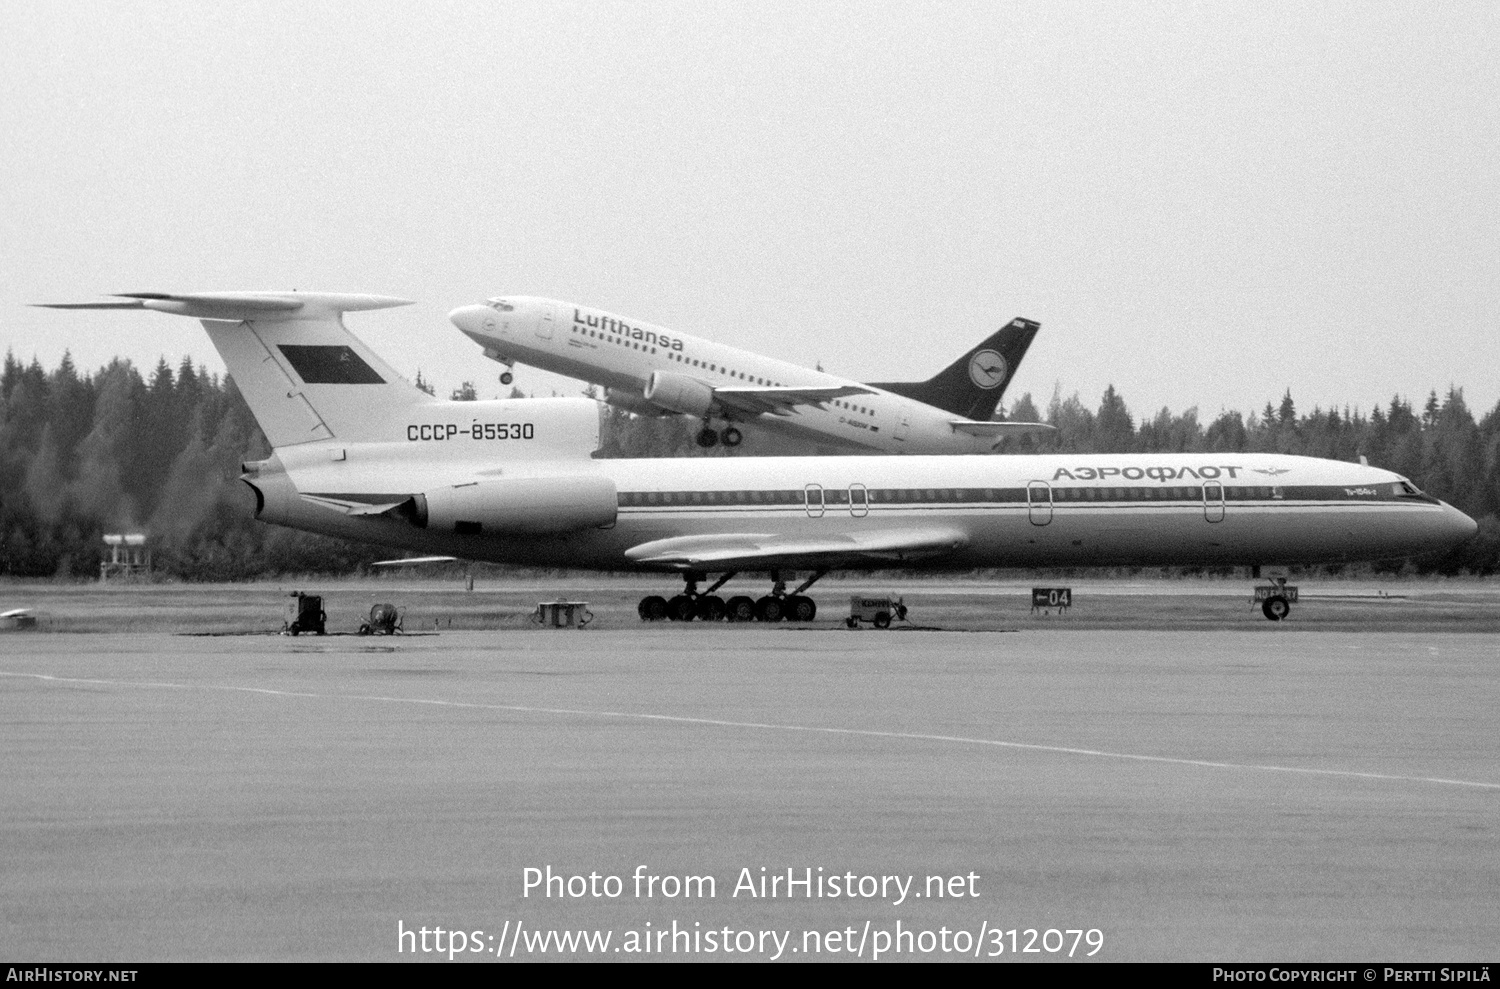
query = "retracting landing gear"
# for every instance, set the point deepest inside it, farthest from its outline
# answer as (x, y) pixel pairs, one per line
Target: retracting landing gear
(708, 437)
(506, 377)
(709, 607)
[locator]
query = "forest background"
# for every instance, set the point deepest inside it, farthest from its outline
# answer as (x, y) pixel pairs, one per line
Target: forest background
(115, 451)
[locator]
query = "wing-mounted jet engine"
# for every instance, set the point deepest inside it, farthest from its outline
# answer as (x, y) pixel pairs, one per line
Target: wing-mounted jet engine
(679, 393)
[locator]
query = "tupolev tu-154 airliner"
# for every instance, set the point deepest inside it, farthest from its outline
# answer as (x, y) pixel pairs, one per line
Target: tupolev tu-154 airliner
(359, 453)
(651, 371)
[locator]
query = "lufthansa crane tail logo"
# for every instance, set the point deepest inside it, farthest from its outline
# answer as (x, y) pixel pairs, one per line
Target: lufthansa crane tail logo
(987, 369)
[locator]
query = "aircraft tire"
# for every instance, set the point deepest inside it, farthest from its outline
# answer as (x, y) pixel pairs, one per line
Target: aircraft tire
(740, 609)
(707, 438)
(506, 378)
(770, 609)
(801, 609)
(681, 608)
(711, 608)
(732, 437)
(653, 608)
(1275, 608)
(882, 620)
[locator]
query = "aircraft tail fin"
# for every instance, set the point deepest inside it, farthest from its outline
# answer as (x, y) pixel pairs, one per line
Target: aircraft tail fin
(303, 374)
(972, 386)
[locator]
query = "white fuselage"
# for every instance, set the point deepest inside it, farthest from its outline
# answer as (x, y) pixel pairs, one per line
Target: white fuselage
(1065, 510)
(621, 355)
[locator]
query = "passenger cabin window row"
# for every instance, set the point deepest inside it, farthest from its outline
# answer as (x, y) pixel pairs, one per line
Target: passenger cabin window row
(854, 408)
(717, 369)
(633, 345)
(939, 496)
(680, 358)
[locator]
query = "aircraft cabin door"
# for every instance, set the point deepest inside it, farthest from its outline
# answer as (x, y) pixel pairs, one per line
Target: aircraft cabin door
(1213, 501)
(1039, 502)
(814, 501)
(544, 323)
(859, 501)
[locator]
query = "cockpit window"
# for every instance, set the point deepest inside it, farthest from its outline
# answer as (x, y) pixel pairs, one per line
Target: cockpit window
(500, 305)
(1406, 488)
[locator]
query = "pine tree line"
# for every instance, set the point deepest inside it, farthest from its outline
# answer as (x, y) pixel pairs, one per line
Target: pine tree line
(81, 455)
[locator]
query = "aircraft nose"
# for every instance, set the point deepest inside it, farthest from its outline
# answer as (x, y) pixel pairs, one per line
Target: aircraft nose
(1460, 526)
(472, 319)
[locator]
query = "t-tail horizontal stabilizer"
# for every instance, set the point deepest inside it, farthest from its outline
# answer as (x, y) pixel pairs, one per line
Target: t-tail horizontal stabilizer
(241, 305)
(303, 374)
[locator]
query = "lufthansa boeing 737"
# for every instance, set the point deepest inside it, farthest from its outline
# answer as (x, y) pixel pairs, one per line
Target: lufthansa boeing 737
(359, 453)
(651, 371)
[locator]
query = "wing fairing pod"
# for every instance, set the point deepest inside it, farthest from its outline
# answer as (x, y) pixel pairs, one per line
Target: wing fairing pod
(521, 506)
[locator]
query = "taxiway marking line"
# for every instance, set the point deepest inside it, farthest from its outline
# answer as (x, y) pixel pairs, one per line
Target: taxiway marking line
(771, 726)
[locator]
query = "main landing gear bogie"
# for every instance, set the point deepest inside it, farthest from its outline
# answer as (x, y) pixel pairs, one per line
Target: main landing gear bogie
(709, 607)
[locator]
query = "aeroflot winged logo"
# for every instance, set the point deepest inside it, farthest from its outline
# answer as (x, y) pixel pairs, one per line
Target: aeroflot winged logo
(608, 324)
(987, 369)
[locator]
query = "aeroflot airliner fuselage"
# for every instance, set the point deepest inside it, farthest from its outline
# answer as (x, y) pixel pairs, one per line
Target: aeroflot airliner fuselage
(650, 370)
(943, 513)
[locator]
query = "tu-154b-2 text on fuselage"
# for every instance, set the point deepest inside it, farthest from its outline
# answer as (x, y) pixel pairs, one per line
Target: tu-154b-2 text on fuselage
(360, 453)
(653, 371)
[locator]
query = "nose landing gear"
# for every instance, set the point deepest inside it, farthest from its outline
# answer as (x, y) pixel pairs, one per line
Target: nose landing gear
(506, 377)
(1275, 599)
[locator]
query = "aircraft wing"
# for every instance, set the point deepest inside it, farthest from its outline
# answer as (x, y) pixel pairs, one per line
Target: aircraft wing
(780, 400)
(743, 551)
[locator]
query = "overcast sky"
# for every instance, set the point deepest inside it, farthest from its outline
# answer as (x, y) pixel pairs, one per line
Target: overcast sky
(1203, 204)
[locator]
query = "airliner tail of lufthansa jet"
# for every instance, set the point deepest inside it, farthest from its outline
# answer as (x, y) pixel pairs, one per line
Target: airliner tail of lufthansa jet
(653, 371)
(361, 454)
